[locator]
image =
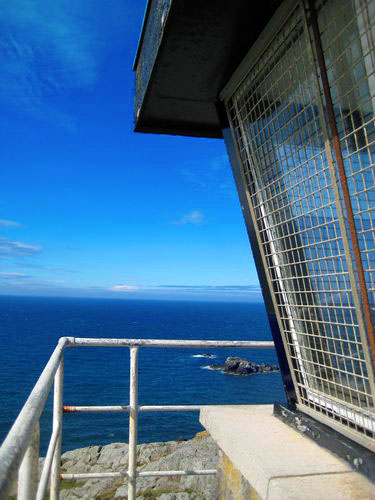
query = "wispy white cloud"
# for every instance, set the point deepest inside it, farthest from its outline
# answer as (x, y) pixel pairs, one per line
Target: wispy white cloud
(216, 177)
(20, 280)
(47, 48)
(9, 223)
(213, 172)
(124, 288)
(14, 276)
(218, 163)
(12, 248)
(194, 217)
(192, 177)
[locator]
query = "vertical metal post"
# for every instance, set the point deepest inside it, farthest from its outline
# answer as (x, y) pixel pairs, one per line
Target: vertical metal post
(57, 422)
(29, 469)
(133, 423)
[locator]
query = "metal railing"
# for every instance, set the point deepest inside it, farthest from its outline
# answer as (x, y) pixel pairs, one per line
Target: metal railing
(20, 450)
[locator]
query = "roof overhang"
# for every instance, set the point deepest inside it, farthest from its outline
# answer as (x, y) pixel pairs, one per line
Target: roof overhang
(187, 52)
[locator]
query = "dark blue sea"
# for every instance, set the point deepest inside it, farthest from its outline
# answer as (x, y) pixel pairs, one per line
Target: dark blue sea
(31, 326)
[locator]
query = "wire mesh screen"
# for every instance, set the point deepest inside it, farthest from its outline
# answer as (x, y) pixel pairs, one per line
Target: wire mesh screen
(277, 118)
(348, 44)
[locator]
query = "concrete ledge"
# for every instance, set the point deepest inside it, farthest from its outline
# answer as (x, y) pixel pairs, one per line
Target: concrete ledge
(278, 462)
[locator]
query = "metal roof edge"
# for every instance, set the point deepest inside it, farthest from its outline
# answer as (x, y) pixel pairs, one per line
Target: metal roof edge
(141, 36)
(169, 129)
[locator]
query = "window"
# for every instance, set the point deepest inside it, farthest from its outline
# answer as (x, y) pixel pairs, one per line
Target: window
(278, 115)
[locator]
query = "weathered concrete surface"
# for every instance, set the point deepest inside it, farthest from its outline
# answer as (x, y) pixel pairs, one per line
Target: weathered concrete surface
(277, 462)
(345, 486)
(231, 484)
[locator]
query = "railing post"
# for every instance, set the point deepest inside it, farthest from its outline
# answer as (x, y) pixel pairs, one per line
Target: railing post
(133, 423)
(57, 423)
(28, 474)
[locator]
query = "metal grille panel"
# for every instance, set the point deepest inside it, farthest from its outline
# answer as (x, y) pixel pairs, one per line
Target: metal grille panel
(277, 121)
(348, 44)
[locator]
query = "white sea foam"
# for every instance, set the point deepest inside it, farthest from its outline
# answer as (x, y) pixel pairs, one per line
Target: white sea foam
(209, 356)
(209, 367)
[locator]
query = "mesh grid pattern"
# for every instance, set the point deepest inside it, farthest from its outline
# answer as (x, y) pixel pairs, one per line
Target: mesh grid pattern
(348, 46)
(276, 121)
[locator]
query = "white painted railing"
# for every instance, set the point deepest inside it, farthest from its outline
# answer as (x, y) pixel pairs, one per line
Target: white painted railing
(20, 450)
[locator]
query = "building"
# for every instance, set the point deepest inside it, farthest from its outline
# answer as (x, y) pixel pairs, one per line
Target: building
(290, 86)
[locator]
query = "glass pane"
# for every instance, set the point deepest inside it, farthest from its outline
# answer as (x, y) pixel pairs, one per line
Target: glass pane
(276, 121)
(348, 44)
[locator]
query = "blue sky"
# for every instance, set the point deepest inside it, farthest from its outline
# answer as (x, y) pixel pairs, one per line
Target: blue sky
(88, 207)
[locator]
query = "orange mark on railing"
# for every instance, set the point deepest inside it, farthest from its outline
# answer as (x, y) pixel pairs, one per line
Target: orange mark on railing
(69, 409)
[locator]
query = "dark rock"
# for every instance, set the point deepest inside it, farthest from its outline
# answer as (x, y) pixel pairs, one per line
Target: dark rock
(240, 366)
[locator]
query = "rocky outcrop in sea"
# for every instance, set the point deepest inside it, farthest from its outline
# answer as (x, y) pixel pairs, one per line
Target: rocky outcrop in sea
(240, 366)
(198, 453)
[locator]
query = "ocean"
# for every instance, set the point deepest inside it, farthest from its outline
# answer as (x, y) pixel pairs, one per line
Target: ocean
(31, 327)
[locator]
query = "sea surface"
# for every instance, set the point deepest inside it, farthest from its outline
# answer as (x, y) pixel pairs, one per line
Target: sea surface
(31, 326)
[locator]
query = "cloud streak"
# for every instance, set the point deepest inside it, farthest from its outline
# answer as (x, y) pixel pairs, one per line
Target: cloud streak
(9, 223)
(14, 276)
(124, 288)
(195, 217)
(215, 177)
(12, 248)
(47, 48)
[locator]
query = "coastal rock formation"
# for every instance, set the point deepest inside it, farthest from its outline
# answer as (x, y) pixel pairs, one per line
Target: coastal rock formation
(240, 366)
(198, 453)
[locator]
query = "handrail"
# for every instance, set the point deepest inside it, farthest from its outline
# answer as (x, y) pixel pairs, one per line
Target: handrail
(20, 448)
(48, 464)
(15, 444)
(193, 344)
